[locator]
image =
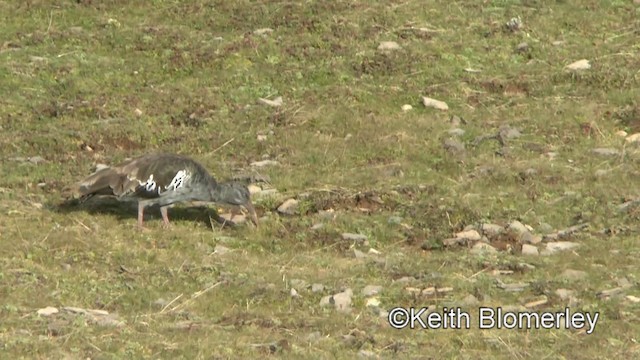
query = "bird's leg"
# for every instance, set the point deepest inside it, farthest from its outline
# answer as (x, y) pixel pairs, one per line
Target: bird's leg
(252, 212)
(141, 206)
(165, 216)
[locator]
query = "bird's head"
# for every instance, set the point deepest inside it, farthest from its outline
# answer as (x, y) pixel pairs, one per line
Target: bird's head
(235, 193)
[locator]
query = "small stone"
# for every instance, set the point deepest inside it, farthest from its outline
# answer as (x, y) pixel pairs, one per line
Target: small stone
(354, 237)
(508, 132)
(436, 104)
(517, 227)
(633, 299)
(456, 121)
(294, 292)
(359, 254)
(406, 107)
(454, 146)
(528, 238)
(138, 112)
(517, 287)
(47, 311)
(570, 274)
(529, 250)
(221, 250)
(564, 294)
(405, 279)
(371, 290)
(37, 160)
(491, 230)
(605, 151)
(633, 138)
(545, 228)
(621, 133)
(366, 354)
(522, 47)
(342, 301)
(471, 235)
(452, 242)
(317, 226)
(456, 132)
(481, 247)
(536, 303)
(263, 31)
(317, 288)
(470, 300)
(289, 207)
(558, 43)
(472, 70)
(389, 45)
(277, 102)
(261, 137)
(372, 302)
(373, 251)
(263, 163)
(579, 65)
(554, 247)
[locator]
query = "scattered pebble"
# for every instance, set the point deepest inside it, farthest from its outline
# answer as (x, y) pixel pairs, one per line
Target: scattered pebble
(359, 254)
(277, 102)
(516, 287)
(622, 133)
(137, 112)
(579, 65)
(47, 311)
(456, 132)
(373, 251)
(372, 302)
(437, 104)
(605, 151)
(341, 301)
(554, 247)
(471, 235)
(491, 230)
(371, 290)
(558, 43)
(261, 137)
(407, 107)
(633, 299)
(517, 227)
(389, 45)
(633, 138)
(564, 294)
(536, 303)
(263, 163)
(522, 47)
(263, 31)
(317, 226)
(508, 132)
(317, 288)
(570, 274)
(472, 70)
(481, 247)
(454, 146)
(353, 237)
(293, 292)
(529, 250)
(289, 207)
(221, 250)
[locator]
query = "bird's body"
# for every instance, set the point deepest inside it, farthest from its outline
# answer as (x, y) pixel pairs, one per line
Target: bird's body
(163, 180)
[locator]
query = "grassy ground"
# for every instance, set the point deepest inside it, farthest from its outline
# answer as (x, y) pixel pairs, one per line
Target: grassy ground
(86, 82)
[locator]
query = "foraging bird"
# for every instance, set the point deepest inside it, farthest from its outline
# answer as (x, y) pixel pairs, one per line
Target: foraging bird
(164, 180)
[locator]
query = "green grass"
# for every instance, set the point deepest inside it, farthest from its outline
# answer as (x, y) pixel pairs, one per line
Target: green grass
(86, 82)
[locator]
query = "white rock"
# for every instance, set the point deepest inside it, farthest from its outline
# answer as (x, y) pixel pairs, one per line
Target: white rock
(294, 292)
(472, 70)
(254, 189)
(49, 310)
(317, 288)
(437, 104)
(491, 230)
(263, 31)
(470, 235)
(517, 227)
(373, 302)
(353, 237)
(632, 298)
(564, 294)
(530, 250)
(221, 250)
(138, 112)
(277, 102)
(389, 45)
(373, 251)
(342, 301)
(261, 137)
(633, 138)
(554, 247)
(371, 290)
(579, 65)
(481, 247)
(407, 107)
(289, 207)
(263, 163)
(622, 133)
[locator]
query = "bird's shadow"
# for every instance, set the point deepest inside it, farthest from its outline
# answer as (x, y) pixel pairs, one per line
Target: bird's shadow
(106, 205)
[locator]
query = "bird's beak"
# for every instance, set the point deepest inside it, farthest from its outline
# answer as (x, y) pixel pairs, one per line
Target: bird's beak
(252, 212)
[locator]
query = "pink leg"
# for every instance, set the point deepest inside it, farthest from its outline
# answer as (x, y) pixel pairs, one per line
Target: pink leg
(141, 206)
(165, 215)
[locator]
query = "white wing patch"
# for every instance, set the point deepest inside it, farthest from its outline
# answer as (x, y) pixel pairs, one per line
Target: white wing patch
(149, 185)
(179, 180)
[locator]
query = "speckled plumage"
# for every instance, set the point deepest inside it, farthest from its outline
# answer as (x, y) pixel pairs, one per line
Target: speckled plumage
(164, 180)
